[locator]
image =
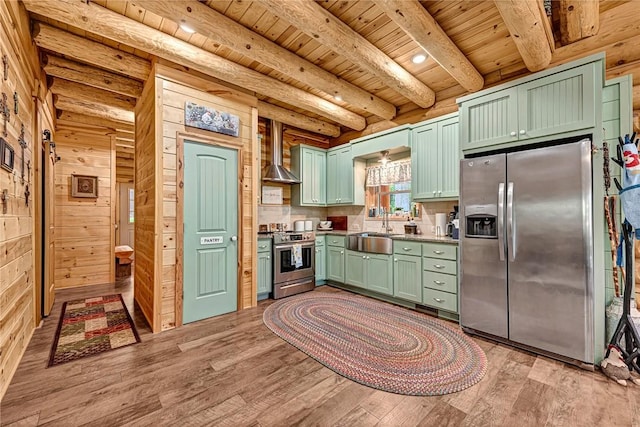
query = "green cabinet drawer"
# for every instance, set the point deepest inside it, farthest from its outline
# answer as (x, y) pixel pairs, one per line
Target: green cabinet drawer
(335, 241)
(320, 240)
(440, 281)
(405, 247)
(440, 265)
(440, 251)
(264, 245)
(439, 299)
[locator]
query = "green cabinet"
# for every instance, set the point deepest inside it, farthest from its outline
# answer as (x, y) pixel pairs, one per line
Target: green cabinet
(321, 260)
(440, 276)
(355, 268)
(407, 277)
(369, 271)
(435, 159)
(380, 273)
(310, 166)
(335, 264)
(553, 102)
(265, 272)
(335, 258)
(345, 177)
(396, 139)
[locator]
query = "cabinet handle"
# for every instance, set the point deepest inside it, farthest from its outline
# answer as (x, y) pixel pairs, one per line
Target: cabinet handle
(406, 249)
(438, 282)
(438, 252)
(438, 300)
(395, 260)
(262, 246)
(522, 131)
(268, 257)
(317, 250)
(438, 266)
(368, 257)
(341, 252)
(439, 192)
(364, 257)
(434, 193)
(334, 241)
(513, 133)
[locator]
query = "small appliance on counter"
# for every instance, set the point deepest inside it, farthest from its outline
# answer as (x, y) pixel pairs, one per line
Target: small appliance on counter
(308, 225)
(324, 225)
(298, 225)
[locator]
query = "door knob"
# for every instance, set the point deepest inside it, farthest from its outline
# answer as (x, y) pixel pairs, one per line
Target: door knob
(234, 238)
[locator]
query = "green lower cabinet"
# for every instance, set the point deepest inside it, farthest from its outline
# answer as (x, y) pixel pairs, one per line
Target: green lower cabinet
(380, 273)
(442, 300)
(355, 269)
(321, 260)
(335, 264)
(369, 271)
(407, 277)
(265, 283)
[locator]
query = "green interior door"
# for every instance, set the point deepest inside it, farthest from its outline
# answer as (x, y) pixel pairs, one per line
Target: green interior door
(210, 231)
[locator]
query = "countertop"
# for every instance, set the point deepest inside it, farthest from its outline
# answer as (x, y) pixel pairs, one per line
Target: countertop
(427, 238)
(414, 237)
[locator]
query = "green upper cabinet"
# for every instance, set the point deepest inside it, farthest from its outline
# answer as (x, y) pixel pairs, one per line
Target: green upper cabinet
(435, 159)
(553, 102)
(391, 139)
(310, 166)
(345, 177)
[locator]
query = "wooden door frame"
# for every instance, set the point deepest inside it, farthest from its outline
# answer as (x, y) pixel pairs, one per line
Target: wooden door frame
(181, 137)
(38, 209)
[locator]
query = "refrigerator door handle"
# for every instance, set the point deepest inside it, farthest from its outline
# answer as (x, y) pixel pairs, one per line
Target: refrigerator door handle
(501, 220)
(511, 230)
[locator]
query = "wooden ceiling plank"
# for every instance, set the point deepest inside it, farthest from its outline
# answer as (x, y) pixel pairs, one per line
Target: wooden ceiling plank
(338, 36)
(68, 116)
(89, 52)
(90, 94)
(292, 118)
(524, 21)
(218, 27)
(578, 19)
(425, 31)
(92, 109)
(114, 26)
(91, 76)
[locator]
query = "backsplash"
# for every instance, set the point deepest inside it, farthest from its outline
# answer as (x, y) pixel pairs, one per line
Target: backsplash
(355, 215)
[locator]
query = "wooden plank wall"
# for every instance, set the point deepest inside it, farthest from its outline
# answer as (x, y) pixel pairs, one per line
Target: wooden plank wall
(172, 99)
(84, 236)
(147, 226)
(17, 320)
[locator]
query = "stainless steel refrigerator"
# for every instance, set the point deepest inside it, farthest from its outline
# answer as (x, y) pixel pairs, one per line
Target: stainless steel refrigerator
(526, 240)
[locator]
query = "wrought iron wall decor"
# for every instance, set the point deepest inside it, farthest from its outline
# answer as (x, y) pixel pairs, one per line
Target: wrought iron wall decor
(6, 113)
(23, 145)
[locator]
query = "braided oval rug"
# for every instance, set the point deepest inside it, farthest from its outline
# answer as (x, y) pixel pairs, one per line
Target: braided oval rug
(377, 344)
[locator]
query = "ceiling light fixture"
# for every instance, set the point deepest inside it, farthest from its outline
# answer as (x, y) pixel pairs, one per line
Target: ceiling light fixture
(187, 28)
(385, 157)
(337, 97)
(419, 58)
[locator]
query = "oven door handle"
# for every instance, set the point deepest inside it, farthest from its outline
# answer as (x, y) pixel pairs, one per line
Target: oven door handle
(289, 246)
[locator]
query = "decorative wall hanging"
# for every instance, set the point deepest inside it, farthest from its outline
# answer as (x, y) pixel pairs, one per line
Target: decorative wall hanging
(23, 145)
(84, 186)
(15, 103)
(207, 118)
(26, 195)
(5, 67)
(6, 113)
(6, 155)
(271, 195)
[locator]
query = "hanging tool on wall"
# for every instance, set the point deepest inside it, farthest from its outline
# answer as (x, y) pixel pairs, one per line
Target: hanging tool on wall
(26, 195)
(23, 145)
(4, 197)
(15, 103)
(6, 113)
(5, 66)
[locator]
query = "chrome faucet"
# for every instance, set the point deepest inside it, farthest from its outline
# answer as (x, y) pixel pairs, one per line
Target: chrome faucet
(385, 221)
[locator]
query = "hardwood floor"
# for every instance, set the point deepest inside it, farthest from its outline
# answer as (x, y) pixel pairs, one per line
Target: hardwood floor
(232, 371)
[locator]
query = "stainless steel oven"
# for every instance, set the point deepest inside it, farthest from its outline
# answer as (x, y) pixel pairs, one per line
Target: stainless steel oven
(293, 263)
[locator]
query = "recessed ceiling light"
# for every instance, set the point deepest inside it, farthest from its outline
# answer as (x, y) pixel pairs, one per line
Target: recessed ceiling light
(337, 97)
(419, 58)
(187, 28)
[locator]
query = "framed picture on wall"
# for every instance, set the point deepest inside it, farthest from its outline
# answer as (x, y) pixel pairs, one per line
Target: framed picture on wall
(84, 186)
(7, 155)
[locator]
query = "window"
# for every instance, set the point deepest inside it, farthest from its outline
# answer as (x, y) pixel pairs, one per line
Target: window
(389, 189)
(131, 217)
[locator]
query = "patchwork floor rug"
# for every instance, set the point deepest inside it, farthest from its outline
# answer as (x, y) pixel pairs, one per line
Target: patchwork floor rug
(91, 326)
(378, 344)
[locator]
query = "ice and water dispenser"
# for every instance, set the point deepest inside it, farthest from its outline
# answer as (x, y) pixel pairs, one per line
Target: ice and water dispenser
(481, 221)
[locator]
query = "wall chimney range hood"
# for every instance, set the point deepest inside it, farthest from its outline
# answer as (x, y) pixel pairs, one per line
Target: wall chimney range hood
(275, 172)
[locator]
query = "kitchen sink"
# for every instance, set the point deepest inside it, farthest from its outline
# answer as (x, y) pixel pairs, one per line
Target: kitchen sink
(376, 243)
